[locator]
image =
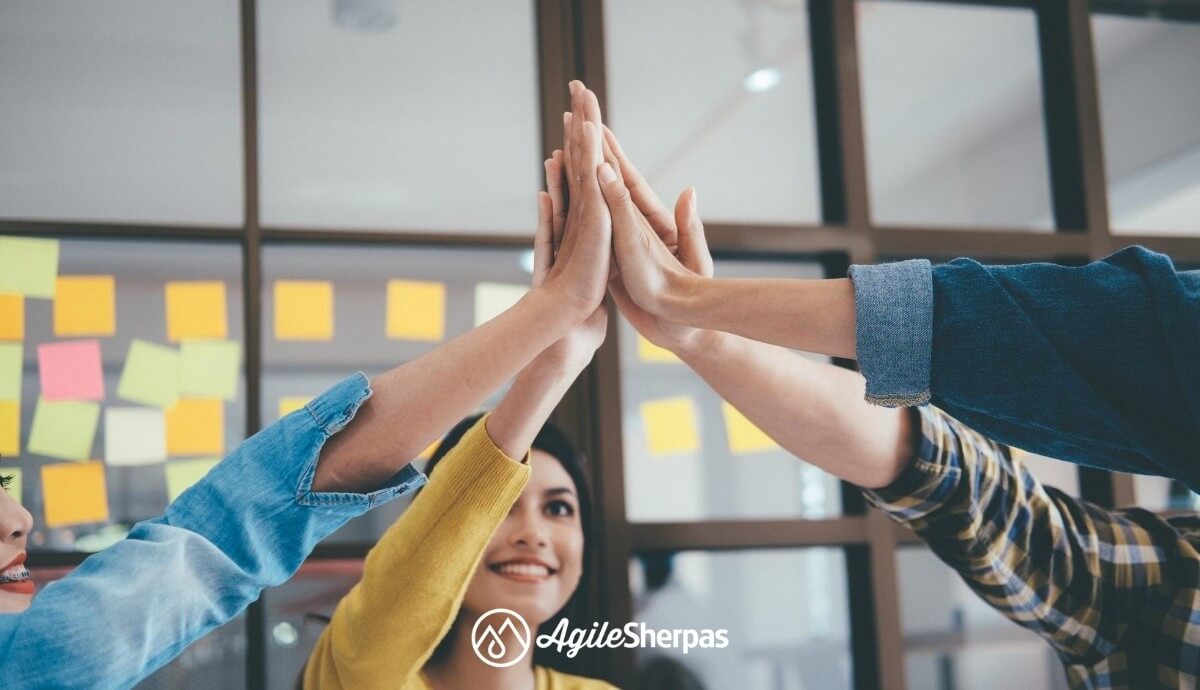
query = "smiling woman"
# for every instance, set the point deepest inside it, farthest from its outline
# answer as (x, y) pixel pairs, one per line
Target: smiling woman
(16, 589)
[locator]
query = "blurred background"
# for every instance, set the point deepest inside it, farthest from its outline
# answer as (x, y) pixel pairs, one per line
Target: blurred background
(359, 149)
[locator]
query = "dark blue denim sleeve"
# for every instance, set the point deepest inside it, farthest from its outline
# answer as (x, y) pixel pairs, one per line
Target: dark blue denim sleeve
(1095, 364)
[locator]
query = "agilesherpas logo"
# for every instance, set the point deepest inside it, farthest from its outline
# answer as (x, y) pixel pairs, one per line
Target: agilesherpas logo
(495, 630)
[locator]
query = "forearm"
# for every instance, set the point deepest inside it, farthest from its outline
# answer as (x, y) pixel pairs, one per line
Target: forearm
(813, 410)
(527, 405)
(429, 394)
(810, 315)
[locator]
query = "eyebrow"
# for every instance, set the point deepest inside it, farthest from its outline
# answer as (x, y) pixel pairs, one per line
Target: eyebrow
(558, 490)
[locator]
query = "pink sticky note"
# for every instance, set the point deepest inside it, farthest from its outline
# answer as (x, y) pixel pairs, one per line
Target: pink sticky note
(71, 370)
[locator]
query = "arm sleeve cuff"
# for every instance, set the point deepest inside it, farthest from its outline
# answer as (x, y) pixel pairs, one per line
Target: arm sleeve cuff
(930, 480)
(893, 306)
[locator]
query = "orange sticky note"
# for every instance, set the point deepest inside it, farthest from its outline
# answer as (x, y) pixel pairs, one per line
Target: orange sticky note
(10, 428)
(428, 452)
(290, 403)
(649, 352)
(12, 316)
(743, 436)
(85, 305)
(303, 310)
(74, 493)
(671, 426)
(196, 426)
(416, 310)
(196, 310)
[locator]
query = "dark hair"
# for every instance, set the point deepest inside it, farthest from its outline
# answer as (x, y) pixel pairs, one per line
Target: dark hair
(552, 441)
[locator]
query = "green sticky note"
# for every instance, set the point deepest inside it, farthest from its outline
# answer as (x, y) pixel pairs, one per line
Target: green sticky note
(14, 484)
(209, 369)
(64, 429)
(181, 474)
(151, 375)
(11, 370)
(28, 266)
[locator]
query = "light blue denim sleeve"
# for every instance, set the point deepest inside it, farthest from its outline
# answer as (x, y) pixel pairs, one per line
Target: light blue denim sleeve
(248, 524)
(893, 306)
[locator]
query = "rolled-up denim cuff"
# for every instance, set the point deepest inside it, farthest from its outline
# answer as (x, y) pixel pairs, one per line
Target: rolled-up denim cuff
(893, 306)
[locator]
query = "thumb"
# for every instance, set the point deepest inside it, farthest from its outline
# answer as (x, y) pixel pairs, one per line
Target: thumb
(693, 246)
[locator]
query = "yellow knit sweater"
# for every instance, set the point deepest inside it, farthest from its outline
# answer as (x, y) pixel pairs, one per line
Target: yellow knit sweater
(414, 579)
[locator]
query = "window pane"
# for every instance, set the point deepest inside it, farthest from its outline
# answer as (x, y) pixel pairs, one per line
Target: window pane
(217, 661)
(952, 109)
(135, 483)
(1162, 494)
(955, 640)
(722, 100)
(1150, 107)
(303, 364)
(785, 610)
(127, 110)
(427, 123)
(295, 613)
(688, 457)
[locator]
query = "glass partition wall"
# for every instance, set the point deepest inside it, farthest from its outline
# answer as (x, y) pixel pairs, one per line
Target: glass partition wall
(248, 156)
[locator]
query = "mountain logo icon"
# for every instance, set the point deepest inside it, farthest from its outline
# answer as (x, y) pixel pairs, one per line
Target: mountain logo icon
(501, 638)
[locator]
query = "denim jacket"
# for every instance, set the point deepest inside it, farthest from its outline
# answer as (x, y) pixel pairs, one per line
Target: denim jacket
(1096, 364)
(248, 524)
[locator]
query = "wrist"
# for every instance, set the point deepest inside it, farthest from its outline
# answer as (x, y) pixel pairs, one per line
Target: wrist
(681, 296)
(707, 345)
(557, 312)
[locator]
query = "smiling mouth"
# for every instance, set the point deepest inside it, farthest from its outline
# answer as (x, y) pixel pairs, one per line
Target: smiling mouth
(16, 579)
(523, 572)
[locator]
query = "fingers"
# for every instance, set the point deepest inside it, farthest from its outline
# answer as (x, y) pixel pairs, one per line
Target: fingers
(558, 202)
(642, 194)
(693, 246)
(543, 241)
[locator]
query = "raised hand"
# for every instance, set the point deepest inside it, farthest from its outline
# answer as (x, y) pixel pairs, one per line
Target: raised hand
(583, 245)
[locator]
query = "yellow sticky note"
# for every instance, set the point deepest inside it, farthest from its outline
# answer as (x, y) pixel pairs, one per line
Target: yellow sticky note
(303, 310)
(85, 305)
(196, 426)
(428, 452)
(649, 352)
(290, 403)
(74, 493)
(12, 316)
(416, 310)
(671, 426)
(182, 474)
(744, 437)
(196, 310)
(14, 483)
(10, 428)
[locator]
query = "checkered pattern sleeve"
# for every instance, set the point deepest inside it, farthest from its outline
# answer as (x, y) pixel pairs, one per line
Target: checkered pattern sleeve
(1066, 569)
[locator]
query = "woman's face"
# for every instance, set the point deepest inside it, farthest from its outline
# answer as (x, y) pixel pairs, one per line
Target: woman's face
(16, 589)
(534, 561)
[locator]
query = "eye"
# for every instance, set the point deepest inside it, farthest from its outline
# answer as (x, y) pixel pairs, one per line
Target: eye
(5, 481)
(560, 509)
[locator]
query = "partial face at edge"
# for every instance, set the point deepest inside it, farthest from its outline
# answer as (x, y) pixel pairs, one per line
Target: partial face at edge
(16, 589)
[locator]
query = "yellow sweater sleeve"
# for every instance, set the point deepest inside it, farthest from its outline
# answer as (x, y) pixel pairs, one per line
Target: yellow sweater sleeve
(384, 630)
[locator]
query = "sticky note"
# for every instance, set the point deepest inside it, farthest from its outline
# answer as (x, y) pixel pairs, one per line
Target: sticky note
(744, 437)
(182, 474)
(291, 403)
(71, 370)
(85, 305)
(74, 493)
(196, 427)
(28, 266)
(134, 436)
(10, 428)
(428, 452)
(670, 426)
(14, 483)
(196, 309)
(492, 299)
(151, 375)
(649, 352)
(12, 365)
(416, 310)
(64, 429)
(209, 368)
(12, 316)
(303, 310)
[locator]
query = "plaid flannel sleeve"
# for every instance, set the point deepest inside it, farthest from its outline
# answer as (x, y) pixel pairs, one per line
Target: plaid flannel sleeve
(1061, 567)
